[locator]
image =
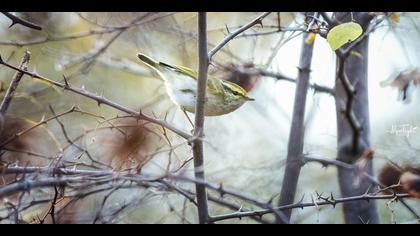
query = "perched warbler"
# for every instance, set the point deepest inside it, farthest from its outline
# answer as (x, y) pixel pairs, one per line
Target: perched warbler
(222, 97)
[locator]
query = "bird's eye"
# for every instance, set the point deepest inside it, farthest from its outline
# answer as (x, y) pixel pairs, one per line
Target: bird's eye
(235, 93)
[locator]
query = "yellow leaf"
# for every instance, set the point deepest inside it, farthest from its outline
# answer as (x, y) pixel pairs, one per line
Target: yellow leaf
(395, 18)
(311, 38)
(343, 33)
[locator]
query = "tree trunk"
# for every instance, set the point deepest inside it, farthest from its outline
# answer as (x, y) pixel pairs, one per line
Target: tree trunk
(356, 68)
(296, 136)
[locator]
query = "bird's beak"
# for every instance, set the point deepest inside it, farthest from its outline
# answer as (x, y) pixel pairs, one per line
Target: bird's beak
(249, 99)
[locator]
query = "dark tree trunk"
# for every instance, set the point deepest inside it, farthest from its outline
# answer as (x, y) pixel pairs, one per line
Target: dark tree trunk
(356, 69)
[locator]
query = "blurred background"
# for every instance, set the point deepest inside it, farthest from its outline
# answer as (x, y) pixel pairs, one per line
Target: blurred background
(244, 150)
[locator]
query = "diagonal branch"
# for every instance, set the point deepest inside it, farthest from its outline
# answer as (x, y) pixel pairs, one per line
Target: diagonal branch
(321, 201)
(20, 21)
(100, 100)
(235, 33)
(14, 84)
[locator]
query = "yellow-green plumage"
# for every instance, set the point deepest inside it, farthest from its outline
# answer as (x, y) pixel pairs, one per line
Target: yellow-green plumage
(222, 97)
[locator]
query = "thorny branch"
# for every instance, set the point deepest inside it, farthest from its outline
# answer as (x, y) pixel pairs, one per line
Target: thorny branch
(235, 33)
(20, 21)
(74, 178)
(100, 99)
(104, 30)
(351, 167)
(321, 200)
(14, 84)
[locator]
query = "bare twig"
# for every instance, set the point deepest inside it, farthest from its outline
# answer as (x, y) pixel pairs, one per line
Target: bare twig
(344, 53)
(20, 21)
(340, 164)
(197, 144)
(14, 84)
(42, 122)
(106, 30)
(331, 22)
(319, 202)
(233, 34)
(315, 87)
(222, 191)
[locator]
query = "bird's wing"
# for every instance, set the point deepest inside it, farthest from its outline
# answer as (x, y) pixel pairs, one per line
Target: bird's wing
(213, 84)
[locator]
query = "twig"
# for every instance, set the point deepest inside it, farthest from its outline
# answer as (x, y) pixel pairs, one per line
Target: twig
(101, 100)
(320, 202)
(348, 110)
(42, 122)
(331, 22)
(14, 84)
(344, 53)
(20, 21)
(233, 34)
(340, 164)
(315, 87)
(222, 191)
(197, 144)
(107, 30)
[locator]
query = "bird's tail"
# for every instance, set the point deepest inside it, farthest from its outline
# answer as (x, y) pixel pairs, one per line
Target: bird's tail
(148, 60)
(152, 63)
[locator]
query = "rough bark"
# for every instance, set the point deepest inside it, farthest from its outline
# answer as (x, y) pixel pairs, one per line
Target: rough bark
(356, 69)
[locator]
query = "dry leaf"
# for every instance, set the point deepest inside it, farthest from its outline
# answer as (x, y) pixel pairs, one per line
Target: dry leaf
(402, 81)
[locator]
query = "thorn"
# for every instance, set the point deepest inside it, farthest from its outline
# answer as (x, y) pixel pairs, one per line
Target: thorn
(66, 83)
(1, 60)
(227, 29)
(221, 191)
(260, 23)
(301, 200)
(11, 25)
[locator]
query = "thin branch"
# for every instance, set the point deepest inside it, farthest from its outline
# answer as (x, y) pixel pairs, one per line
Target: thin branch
(344, 53)
(20, 21)
(222, 191)
(197, 144)
(319, 202)
(81, 176)
(14, 84)
(315, 87)
(327, 162)
(139, 21)
(348, 110)
(100, 100)
(331, 22)
(42, 122)
(233, 34)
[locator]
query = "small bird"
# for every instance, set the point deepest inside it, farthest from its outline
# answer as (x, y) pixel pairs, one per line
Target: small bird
(222, 97)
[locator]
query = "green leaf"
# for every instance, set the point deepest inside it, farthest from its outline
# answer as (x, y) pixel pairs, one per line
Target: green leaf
(343, 33)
